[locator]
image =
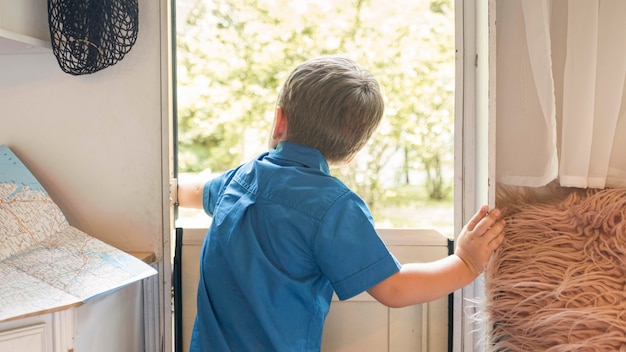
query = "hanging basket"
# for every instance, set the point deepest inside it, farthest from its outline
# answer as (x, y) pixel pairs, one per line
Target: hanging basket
(90, 35)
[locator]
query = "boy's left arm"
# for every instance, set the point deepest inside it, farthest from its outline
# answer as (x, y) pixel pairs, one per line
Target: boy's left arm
(422, 282)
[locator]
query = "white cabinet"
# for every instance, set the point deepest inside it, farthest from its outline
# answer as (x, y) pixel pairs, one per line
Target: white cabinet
(36, 334)
(28, 338)
(24, 27)
(114, 321)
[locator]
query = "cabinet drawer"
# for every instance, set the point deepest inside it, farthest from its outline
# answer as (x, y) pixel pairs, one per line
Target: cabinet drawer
(29, 338)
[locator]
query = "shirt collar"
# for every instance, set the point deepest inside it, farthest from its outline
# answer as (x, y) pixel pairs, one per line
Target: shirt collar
(301, 154)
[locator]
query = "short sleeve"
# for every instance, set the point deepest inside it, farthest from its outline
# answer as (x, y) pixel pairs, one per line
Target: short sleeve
(349, 251)
(213, 190)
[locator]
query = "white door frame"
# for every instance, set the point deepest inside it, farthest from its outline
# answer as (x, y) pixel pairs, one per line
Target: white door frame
(474, 182)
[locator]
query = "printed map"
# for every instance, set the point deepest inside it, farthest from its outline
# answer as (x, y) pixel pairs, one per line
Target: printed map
(46, 264)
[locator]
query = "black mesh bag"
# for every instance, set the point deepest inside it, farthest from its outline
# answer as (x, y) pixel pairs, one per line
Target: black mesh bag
(90, 35)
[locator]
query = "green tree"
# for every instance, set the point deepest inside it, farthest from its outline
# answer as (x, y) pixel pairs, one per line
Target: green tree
(234, 54)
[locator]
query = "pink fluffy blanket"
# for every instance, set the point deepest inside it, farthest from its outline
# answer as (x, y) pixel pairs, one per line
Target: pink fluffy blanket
(558, 282)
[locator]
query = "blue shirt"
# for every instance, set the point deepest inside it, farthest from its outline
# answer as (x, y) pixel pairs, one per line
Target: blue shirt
(285, 235)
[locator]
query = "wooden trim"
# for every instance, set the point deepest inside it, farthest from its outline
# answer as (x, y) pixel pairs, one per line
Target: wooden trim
(146, 257)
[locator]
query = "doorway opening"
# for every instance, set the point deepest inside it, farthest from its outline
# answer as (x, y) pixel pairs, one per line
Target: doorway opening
(232, 56)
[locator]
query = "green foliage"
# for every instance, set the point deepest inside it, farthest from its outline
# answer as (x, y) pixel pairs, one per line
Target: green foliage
(234, 54)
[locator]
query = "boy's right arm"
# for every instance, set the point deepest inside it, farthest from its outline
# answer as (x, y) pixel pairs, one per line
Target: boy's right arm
(190, 192)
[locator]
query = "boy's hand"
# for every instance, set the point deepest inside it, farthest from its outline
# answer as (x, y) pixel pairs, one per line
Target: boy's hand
(480, 238)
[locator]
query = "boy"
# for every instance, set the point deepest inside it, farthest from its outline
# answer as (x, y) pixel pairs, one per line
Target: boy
(285, 234)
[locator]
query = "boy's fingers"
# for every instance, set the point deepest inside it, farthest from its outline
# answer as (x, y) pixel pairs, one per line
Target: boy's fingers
(496, 241)
(495, 230)
(488, 221)
(484, 210)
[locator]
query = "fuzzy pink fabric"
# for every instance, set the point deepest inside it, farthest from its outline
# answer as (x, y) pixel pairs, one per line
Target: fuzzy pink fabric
(558, 282)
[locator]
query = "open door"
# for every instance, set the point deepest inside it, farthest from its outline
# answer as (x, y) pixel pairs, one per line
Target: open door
(474, 183)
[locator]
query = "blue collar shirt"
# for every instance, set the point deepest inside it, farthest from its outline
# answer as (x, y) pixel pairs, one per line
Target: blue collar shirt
(285, 235)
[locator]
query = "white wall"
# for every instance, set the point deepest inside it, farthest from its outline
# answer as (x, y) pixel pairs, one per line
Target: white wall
(96, 142)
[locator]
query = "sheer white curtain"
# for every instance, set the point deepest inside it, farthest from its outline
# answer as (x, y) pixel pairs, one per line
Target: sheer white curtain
(561, 75)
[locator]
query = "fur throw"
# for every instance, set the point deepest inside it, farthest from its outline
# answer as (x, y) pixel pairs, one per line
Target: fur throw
(558, 282)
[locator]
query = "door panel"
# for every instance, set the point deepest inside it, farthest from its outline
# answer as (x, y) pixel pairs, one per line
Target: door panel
(357, 324)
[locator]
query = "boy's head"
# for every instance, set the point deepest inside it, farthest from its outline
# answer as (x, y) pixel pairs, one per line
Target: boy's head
(331, 104)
